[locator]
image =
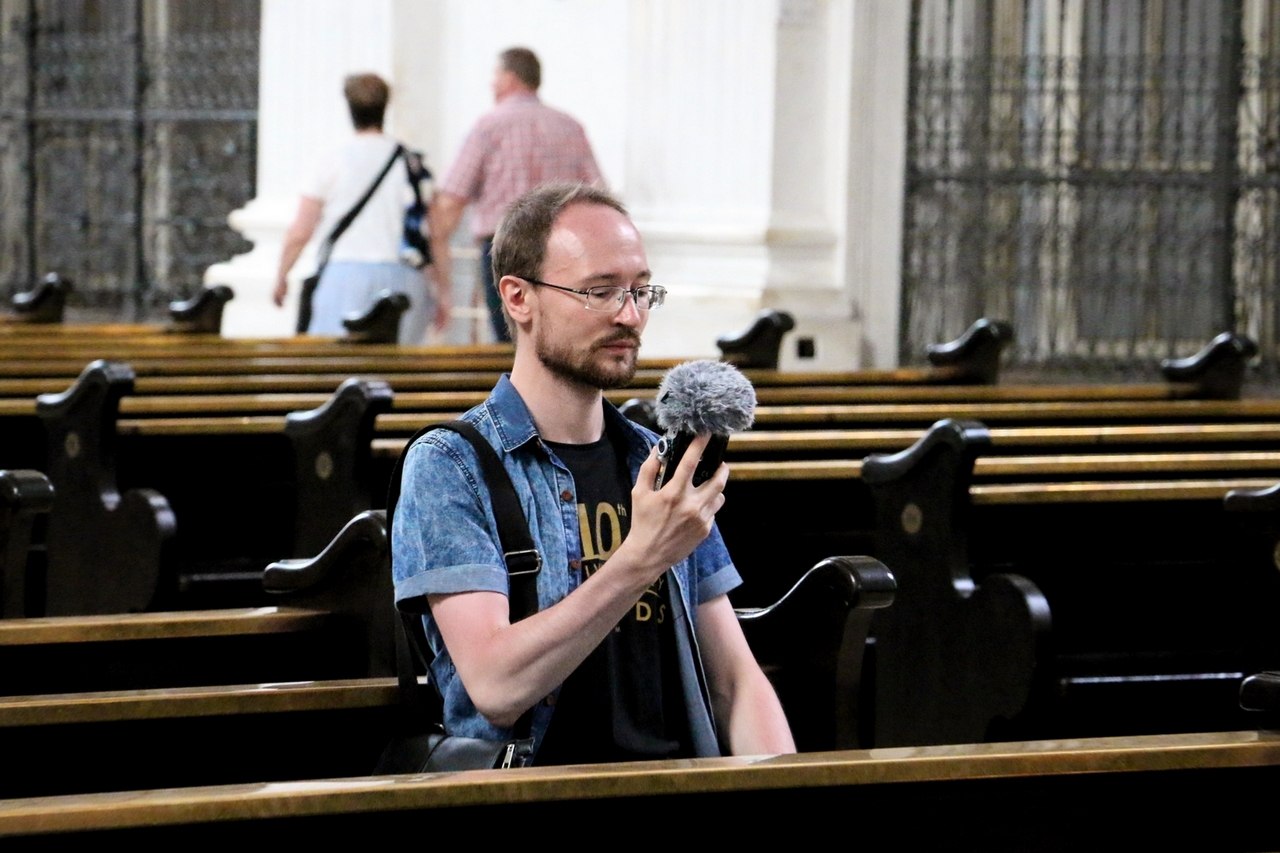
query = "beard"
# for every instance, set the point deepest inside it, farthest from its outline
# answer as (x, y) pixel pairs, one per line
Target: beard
(590, 367)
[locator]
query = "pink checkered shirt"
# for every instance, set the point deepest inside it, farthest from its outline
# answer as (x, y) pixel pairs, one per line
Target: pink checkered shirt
(517, 145)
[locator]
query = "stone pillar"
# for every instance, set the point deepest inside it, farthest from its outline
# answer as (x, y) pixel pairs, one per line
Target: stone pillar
(759, 145)
(307, 47)
(747, 170)
(876, 188)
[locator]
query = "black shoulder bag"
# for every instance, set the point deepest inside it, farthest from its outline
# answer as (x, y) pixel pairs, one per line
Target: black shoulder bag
(310, 282)
(420, 744)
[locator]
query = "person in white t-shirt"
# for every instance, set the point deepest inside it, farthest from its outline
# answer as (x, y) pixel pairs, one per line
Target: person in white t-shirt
(365, 260)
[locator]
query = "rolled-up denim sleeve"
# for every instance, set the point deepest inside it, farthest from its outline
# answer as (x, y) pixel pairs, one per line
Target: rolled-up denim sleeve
(443, 536)
(713, 568)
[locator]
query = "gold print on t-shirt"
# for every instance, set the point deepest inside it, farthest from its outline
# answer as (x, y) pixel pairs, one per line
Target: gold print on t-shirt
(601, 533)
(655, 610)
(601, 538)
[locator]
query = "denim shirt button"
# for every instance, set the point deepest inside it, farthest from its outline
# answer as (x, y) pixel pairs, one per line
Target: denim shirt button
(575, 564)
(566, 496)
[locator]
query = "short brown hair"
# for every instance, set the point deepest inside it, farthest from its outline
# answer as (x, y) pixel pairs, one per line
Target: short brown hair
(520, 242)
(367, 96)
(523, 63)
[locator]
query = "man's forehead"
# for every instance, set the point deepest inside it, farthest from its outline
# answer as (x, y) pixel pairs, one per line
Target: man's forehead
(584, 230)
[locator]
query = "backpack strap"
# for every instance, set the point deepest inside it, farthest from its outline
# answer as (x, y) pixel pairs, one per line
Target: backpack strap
(523, 560)
(326, 247)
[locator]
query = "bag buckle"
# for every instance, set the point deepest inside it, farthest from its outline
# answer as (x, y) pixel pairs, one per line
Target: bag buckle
(527, 562)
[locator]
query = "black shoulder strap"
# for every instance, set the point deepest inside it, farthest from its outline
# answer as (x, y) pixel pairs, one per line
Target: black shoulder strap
(350, 216)
(522, 558)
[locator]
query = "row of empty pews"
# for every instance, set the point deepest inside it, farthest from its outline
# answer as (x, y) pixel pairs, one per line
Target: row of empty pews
(1038, 595)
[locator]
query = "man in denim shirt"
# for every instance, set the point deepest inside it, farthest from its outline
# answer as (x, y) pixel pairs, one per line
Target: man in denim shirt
(635, 651)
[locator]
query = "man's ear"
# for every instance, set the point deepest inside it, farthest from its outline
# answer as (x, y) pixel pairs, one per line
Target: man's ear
(515, 292)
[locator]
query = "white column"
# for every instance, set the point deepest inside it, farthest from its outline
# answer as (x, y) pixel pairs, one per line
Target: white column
(307, 48)
(738, 169)
(877, 174)
(759, 144)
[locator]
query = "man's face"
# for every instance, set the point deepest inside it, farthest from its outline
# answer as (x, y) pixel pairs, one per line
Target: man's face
(590, 245)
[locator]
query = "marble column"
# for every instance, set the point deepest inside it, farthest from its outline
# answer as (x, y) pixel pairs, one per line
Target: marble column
(759, 145)
(307, 48)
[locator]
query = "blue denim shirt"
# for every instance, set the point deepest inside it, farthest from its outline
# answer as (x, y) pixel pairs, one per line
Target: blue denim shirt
(445, 539)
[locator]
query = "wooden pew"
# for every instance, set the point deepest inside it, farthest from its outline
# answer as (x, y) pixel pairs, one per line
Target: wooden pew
(315, 468)
(73, 439)
(329, 621)
(170, 698)
(1065, 596)
(120, 740)
(115, 693)
(1198, 790)
(972, 358)
(326, 482)
(810, 639)
(37, 313)
(41, 305)
(26, 497)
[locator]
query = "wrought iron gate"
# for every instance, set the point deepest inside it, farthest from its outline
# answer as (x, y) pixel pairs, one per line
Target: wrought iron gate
(127, 134)
(1104, 174)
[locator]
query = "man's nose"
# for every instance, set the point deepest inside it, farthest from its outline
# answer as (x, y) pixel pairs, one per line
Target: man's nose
(628, 314)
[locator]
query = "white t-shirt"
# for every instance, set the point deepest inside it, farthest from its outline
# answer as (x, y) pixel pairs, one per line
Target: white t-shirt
(341, 177)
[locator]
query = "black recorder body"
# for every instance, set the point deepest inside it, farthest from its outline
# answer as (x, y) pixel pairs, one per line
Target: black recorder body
(671, 450)
(695, 398)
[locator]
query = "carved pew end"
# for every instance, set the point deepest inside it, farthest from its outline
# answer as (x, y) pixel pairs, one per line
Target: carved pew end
(642, 411)
(201, 314)
(812, 643)
(1219, 368)
(975, 355)
(758, 345)
(381, 323)
(1261, 692)
(350, 575)
(26, 497)
(45, 303)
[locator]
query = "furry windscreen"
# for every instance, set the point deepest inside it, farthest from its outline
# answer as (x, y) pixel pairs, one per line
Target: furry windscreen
(705, 396)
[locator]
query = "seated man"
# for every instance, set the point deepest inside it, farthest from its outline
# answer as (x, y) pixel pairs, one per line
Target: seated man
(635, 651)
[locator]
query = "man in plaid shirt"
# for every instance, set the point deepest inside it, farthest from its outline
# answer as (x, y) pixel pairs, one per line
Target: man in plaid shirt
(516, 146)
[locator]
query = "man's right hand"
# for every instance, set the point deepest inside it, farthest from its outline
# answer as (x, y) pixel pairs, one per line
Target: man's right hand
(667, 524)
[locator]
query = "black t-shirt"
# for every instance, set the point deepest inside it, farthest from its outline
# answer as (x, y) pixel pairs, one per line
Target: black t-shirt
(624, 701)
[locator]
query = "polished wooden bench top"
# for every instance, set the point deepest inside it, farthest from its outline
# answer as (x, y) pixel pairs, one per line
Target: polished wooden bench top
(766, 416)
(47, 630)
(889, 440)
(1118, 492)
(285, 392)
(1111, 411)
(448, 404)
(1083, 465)
(198, 701)
(1117, 757)
(66, 341)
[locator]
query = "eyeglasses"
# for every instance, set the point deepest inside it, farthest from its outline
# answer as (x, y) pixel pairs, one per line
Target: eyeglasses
(612, 297)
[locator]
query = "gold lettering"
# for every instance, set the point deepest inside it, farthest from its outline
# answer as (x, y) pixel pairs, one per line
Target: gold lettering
(643, 611)
(607, 528)
(589, 551)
